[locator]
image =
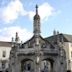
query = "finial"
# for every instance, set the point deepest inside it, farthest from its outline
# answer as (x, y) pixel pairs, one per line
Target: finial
(12, 42)
(54, 32)
(21, 42)
(12, 39)
(58, 38)
(36, 9)
(57, 32)
(62, 40)
(16, 38)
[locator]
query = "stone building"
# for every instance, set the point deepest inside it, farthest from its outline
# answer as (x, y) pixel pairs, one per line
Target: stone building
(67, 45)
(5, 48)
(37, 54)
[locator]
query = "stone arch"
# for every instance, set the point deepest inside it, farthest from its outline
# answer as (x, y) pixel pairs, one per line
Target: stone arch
(27, 65)
(47, 65)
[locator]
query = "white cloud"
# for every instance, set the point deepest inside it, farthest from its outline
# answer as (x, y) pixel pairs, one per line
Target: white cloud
(15, 9)
(31, 14)
(45, 11)
(9, 32)
(12, 11)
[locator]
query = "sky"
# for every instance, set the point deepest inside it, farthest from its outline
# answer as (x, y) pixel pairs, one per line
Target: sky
(17, 16)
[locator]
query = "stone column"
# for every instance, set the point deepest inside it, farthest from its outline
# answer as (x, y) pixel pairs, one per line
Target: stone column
(37, 64)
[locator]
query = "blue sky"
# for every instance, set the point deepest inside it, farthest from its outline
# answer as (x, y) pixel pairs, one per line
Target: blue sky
(17, 16)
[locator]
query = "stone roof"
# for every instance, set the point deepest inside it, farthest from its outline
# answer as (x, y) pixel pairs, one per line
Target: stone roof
(34, 38)
(5, 44)
(66, 38)
(31, 42)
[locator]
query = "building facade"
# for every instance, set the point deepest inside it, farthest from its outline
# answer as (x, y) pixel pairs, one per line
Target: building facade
(37, 54)
(67, 45)
(5, 48)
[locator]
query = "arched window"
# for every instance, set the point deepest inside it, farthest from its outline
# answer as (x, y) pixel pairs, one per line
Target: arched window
(46, 66)
(4, 54)
(26, 65)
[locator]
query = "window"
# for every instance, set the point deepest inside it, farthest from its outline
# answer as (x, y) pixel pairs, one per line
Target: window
(3, 64)
(29, 67)
(4, 54)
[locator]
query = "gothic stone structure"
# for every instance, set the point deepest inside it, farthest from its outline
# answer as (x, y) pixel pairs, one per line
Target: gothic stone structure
(37, 54)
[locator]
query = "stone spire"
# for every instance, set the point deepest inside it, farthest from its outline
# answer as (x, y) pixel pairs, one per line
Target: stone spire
(54, 32)
(36, 22)
(36, 9)
(62, 40)
(12, 42)
(16, 38)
